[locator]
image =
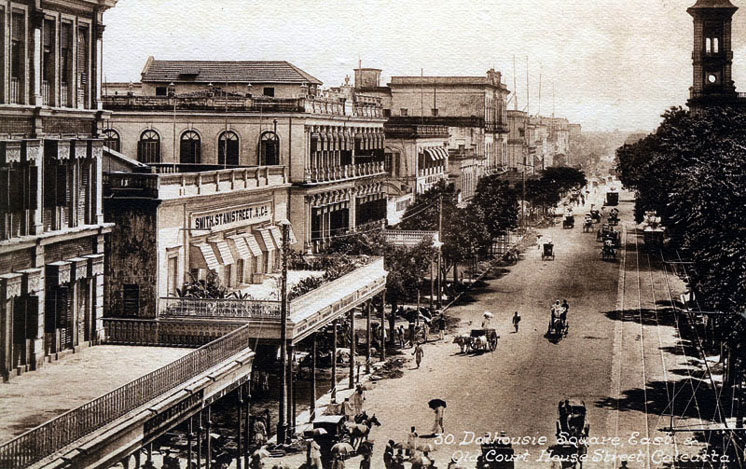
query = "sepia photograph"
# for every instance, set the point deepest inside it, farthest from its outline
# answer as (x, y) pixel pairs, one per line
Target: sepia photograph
(375, 234)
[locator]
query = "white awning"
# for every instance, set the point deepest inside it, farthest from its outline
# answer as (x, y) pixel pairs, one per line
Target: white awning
(277, 235)
(241, 247)
(442, 152)
(225, 252)
(256, 251)
(207, 256)
(293, 239)
(268, 243)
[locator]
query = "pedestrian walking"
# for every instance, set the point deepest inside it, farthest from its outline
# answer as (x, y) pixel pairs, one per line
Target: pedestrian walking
(426, 330)
(313, 457)
(438, 425)
(357, 399)
(260, 432)
(401, 336)
(412, 332)
(365, 462)
(418, 353)
(441, 326)
(388, 454)
(348, 410)
(412, 441)
(338, 462)
(516, 320)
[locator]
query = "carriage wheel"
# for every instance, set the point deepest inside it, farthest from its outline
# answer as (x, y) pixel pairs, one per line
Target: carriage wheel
(493, 344)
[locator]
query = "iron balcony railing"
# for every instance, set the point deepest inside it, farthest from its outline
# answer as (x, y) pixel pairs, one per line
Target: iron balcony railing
(46, 439)
(219, 308)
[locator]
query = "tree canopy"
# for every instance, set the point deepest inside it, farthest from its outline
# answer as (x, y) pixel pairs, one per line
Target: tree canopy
(691, 171)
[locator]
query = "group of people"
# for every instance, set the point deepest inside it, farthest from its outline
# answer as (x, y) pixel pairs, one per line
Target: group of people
(429, 320)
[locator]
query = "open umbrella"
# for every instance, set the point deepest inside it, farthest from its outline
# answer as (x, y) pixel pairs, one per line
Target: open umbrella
(435, 403)
(487, 314)
(343, 449)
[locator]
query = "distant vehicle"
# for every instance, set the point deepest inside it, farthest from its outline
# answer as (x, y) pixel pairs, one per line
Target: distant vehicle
(612, 197)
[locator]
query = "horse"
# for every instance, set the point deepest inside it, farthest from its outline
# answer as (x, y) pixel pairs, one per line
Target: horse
(556, 326)
(463, 341)
(360, 430)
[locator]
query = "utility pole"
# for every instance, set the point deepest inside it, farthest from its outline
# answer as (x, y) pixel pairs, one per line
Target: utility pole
(440, 250)
(282, 424)
(515, 87)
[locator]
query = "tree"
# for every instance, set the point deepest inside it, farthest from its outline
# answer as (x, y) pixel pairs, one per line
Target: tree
(497, 205)
(423, 214)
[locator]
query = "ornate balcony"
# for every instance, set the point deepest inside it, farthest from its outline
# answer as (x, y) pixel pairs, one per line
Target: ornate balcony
(344, 172)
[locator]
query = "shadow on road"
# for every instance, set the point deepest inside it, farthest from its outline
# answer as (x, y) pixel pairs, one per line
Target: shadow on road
(648, 317)
(654, 399)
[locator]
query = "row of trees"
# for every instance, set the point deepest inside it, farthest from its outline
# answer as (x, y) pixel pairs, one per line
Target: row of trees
(692, 171)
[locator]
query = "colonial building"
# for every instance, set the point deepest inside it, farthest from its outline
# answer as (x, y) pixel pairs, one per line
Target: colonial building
(416, 159)
(175, 225)
(51, 223)
(262, 114)
(473, 109)
(517, 142)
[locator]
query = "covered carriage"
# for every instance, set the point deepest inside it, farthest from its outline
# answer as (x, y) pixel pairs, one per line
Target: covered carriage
(568, 222)
(608, 252)
(496, 454)
(548, 251)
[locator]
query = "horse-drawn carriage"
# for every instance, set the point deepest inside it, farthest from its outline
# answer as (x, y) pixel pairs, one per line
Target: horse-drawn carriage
(568, 222)
(587, 224)
(497, 454)
(595, 215)
(613, 217)
(328, 430)
(558, 326)
(608, 252)
(572, 430)
(607, 232)
(483, 340)
(548, 251)
(612, 197)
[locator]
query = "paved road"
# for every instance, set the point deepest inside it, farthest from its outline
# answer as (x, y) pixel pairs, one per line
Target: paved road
(617, 348)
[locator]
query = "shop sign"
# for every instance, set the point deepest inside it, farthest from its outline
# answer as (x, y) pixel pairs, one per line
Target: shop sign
(233, 217)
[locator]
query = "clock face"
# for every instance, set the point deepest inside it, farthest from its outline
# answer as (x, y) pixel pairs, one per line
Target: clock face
(712, 78)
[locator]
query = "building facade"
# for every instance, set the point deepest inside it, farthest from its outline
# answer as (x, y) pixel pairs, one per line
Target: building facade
(174, 227)
(52, 228)
(331, 143)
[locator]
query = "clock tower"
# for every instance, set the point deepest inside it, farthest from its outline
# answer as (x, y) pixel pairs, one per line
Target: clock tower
(712, 56)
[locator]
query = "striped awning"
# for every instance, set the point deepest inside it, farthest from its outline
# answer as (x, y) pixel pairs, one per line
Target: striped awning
(225, 252)
(253, 245)
(276, 235)
(241, 247)
(432, 153)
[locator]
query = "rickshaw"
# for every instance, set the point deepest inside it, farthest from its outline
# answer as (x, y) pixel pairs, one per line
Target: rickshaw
(548, 251)
(607, 251)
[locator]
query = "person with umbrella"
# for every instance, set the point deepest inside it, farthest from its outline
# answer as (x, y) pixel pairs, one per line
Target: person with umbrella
(486, 321)
(313, 456)
(438, 406)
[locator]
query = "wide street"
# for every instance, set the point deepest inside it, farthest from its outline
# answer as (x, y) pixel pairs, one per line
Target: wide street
(621, 358)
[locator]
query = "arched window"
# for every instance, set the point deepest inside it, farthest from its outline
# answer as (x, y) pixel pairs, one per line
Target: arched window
(111, 139)
(149, 147)
(189, 151)
(269, 149)
(228, 145)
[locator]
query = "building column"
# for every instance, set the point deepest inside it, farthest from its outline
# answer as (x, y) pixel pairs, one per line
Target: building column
(312, 412)
(352, 348)
(334, 362)
(36, 22)
(247, 429)
(190, 438)
(199, 438)
(368, 307)
(208, 428)
(383, 320)
(239, 424)
(99, 63)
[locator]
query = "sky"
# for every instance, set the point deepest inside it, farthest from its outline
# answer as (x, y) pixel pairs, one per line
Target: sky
(605, 64)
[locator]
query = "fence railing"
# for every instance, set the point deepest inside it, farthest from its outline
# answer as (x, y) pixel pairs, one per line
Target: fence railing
(218, 308)
(75, 424)
(408, 237)
(342, 172)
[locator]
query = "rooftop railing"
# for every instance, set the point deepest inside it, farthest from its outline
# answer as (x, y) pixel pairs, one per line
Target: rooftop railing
(217, 308)
(46, 439)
